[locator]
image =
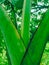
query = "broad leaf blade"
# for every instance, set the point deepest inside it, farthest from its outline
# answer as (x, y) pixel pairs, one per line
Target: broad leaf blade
(37, 45)
(13, 42)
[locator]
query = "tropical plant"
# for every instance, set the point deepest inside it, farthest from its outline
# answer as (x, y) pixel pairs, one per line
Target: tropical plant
(24, 43)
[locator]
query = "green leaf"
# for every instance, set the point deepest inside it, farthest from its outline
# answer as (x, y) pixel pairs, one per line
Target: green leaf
(34, 53)
(26, 21)
(13, 42)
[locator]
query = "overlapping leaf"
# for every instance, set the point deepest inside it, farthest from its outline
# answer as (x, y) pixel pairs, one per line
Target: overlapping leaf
(13, 42)
(36, 46)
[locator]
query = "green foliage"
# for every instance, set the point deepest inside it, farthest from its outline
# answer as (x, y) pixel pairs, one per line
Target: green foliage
(1, 1)
(45, 57)
(20, 49)
(26, 21)
(11, 39)
(38, 43)
(39, 0)
(17, 3)
(45, 1)
(35, 1)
